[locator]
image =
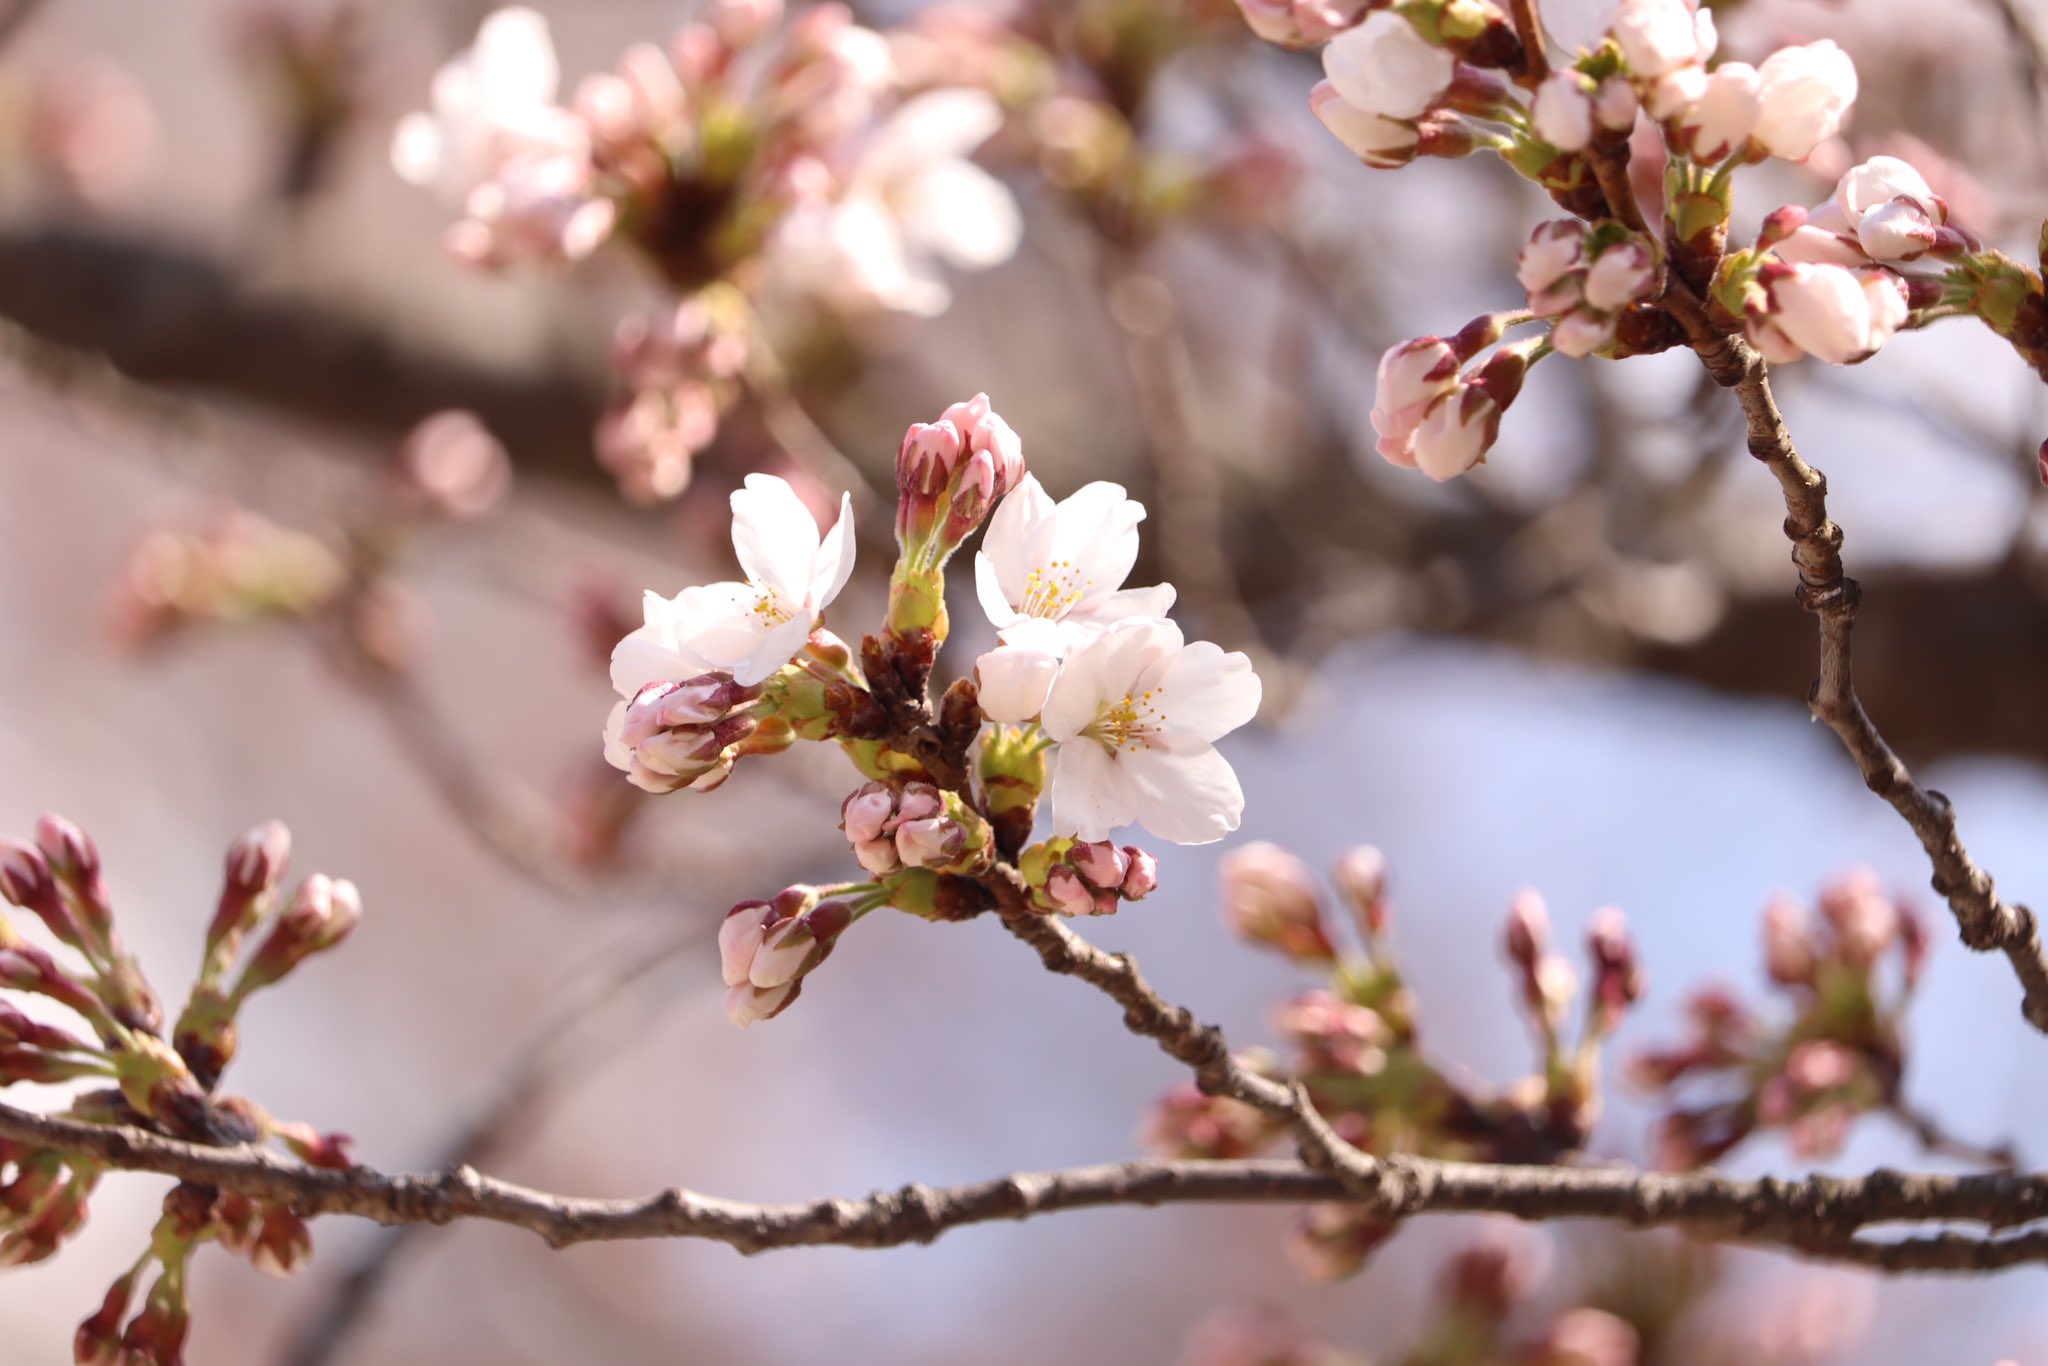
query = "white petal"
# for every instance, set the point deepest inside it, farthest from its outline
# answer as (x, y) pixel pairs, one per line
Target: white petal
(774, 535)
(1207, 692)
(1096, 533)
(773, 650)
(989, 590)
(1155, 601)
(514, 59)
(1091, 793)
(1185, 792)
(832, 566)
(1014, 682)
(960, 213)
(1011, 529)
(649, 655)
(940, 125)
(720, 624)
(616, 753)
(417, 150)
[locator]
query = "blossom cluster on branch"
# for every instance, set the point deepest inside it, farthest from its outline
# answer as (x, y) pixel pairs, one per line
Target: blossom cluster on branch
(1092, 700)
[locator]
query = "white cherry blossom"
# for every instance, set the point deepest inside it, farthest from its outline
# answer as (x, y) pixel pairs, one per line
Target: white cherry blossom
(912, 201)
(1064, 563)
(1136, 713)
(749, 629)
(1803, 95)
(492, 102)
(1385, 67)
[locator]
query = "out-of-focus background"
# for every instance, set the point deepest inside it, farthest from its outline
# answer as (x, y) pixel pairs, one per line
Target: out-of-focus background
(1579, 670)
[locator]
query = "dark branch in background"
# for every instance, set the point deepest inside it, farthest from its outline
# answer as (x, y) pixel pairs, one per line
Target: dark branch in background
(15, 17)
(171, 317)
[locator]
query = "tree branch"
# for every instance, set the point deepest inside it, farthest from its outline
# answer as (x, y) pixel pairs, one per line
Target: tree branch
(1817, 1216)
(1987, 921)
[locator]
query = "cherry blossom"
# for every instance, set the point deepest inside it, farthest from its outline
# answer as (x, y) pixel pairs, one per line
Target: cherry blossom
(754, 627)
(912, 200)
(1385, 67)
(1064, 563)
(491, 102)
(1136, 713)
(1803, 95)
(1380, 142)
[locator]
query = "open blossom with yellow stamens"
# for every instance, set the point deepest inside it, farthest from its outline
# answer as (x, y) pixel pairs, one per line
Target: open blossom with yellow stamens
(1136, 712)
(748, 629)
(1064, 562)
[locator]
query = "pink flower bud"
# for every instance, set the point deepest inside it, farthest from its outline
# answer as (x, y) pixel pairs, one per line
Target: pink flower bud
(1143, 878)
(1334, 1035)
(1386, 66)
(284, 1245)
(739, 939)
(1013, 682)
(1378, 141)
(1300, 23)
(1617, 980)
(1623, 274)
(866, 812)
(1720, 121)
(1330, 1242)
(929, 454)
(1788, 949)
(1102, 865)
(930, 843)
(1821, 1065)
(1269, 897)
(1657, 36)
(69, 850)
(1865, 922)
(25, 878)
(256, 860)
(1555, 250)
(1412, 376)
(1184, 1123)
(1581, 332)
(1361, 875)
(1615, 105)
(1070, 895)
(1836, 314)
(1457, 432)
(1528, 929)
(746, 1003)
(1562, 112)
(1804, 93)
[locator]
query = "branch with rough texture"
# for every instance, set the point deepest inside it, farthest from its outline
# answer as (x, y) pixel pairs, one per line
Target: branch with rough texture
(1817, 1216)
(1988, 922)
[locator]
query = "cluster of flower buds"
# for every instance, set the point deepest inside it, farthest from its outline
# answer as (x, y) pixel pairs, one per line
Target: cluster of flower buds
(1837, 1055)
(164, 1085)
(1583, 278)
(1073, 877)
(236, 567)
(766, 948)
(680, 369)
(1353, 1044)
(915, 826)
(949, 476)
(1431, 417)
(677, 733)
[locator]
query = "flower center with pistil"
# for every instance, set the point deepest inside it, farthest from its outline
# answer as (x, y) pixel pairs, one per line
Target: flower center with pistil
(1129, 723)
(770, 610)
(1053, 590)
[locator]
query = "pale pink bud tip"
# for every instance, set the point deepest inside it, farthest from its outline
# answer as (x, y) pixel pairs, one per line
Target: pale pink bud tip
(70, 850)
(256, 860)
